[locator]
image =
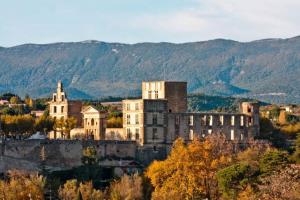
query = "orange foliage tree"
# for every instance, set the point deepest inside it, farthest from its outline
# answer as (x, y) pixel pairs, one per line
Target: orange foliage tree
(189, 172)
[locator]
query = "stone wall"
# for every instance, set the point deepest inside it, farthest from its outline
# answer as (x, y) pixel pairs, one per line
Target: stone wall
(60, 154)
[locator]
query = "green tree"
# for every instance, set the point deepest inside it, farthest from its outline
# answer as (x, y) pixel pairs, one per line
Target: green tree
(14, 100)
(272, 161)
(296, 154)
(234, 179)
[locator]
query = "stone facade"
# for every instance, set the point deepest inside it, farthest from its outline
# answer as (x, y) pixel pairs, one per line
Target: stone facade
(173, 91)
(94, 123)
(161, 116)
(61, 107)
(144, 120)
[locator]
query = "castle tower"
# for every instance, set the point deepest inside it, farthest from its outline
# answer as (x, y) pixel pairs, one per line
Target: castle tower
(173, 91)
(251, 110)
(61, 107)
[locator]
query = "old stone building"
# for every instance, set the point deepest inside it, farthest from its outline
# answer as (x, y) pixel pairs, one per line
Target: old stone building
(173, 91)
(61, 107)
(161, 116)
(94, 123)
(144, 120)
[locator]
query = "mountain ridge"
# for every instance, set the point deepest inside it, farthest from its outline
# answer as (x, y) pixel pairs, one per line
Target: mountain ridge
(94, 69)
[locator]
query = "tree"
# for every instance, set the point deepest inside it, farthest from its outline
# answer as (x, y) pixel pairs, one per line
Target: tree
(44, 124)
(234, 179)
(190, 170)
(69, 124)
(73, 190)
(296, 154)
(14, 100)
(89, 156)
(128, 187)
(22, 186)
(283, 184)
(272, 161)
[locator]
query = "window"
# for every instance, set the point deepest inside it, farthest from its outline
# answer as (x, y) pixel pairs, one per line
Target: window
(155, 136)
(191, 134)
(149, 94)
(136, 106)
(128, 119)
(210, 120)
(221, 120)
(154, 119)
(62, 97)
(147, 86)
(156, 94)
(242, 120)
(62, 109)
(128, 134)
(54, 109)
(128, 106)
(203, 120)
(92, 122)
(209, 131)
(54, 98)
(232, 134)
(137, 134)
(137, 121)
(191, 120)
(177, 120)
(242, 136)
(249, 110)
(232, 120)
(203, 133)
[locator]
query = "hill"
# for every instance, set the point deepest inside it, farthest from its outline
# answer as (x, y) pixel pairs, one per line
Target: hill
(267, 70)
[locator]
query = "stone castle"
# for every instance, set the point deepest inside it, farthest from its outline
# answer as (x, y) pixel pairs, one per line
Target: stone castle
(158, 118)
(150, 126)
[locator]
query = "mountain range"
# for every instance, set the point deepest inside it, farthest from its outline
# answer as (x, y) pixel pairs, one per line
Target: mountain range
(268, 70)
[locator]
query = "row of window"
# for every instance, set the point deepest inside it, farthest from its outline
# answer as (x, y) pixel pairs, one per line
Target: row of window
(209, 131)
(151, 93)
(130, 134)
(209, 120)
(153, 86)
(137, 119)
(129, 106)
(55, 98)
(55, 109)
(92, 122)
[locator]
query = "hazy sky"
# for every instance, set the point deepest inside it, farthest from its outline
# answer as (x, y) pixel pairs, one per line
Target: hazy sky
(131, 21)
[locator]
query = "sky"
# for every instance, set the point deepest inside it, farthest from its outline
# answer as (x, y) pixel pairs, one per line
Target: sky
(133, 21)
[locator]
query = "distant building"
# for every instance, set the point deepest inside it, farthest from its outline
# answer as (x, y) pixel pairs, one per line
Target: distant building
(94, 123)
(37, 113)
(4, 102)
(61, 107)
(161, 116)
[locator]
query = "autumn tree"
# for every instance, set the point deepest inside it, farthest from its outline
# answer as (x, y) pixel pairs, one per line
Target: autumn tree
(89, 156)
(44, 124)
(72, 189)
(190, 170)
(22, 186)
(128, 187)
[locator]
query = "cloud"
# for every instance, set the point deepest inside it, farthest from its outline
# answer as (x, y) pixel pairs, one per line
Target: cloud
(235, 19)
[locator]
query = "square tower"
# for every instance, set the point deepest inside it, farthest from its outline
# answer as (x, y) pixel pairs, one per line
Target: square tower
(173, 91)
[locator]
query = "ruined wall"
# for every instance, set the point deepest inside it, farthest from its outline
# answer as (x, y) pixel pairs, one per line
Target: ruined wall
(60, 154)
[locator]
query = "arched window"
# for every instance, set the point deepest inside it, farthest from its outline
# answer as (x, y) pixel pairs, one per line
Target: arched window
(92, 122)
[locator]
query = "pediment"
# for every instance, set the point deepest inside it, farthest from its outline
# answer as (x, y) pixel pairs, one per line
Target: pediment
(90, 109)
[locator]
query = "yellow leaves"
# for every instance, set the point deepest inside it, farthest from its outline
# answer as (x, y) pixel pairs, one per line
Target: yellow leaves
(187, 170)
(21, 186)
